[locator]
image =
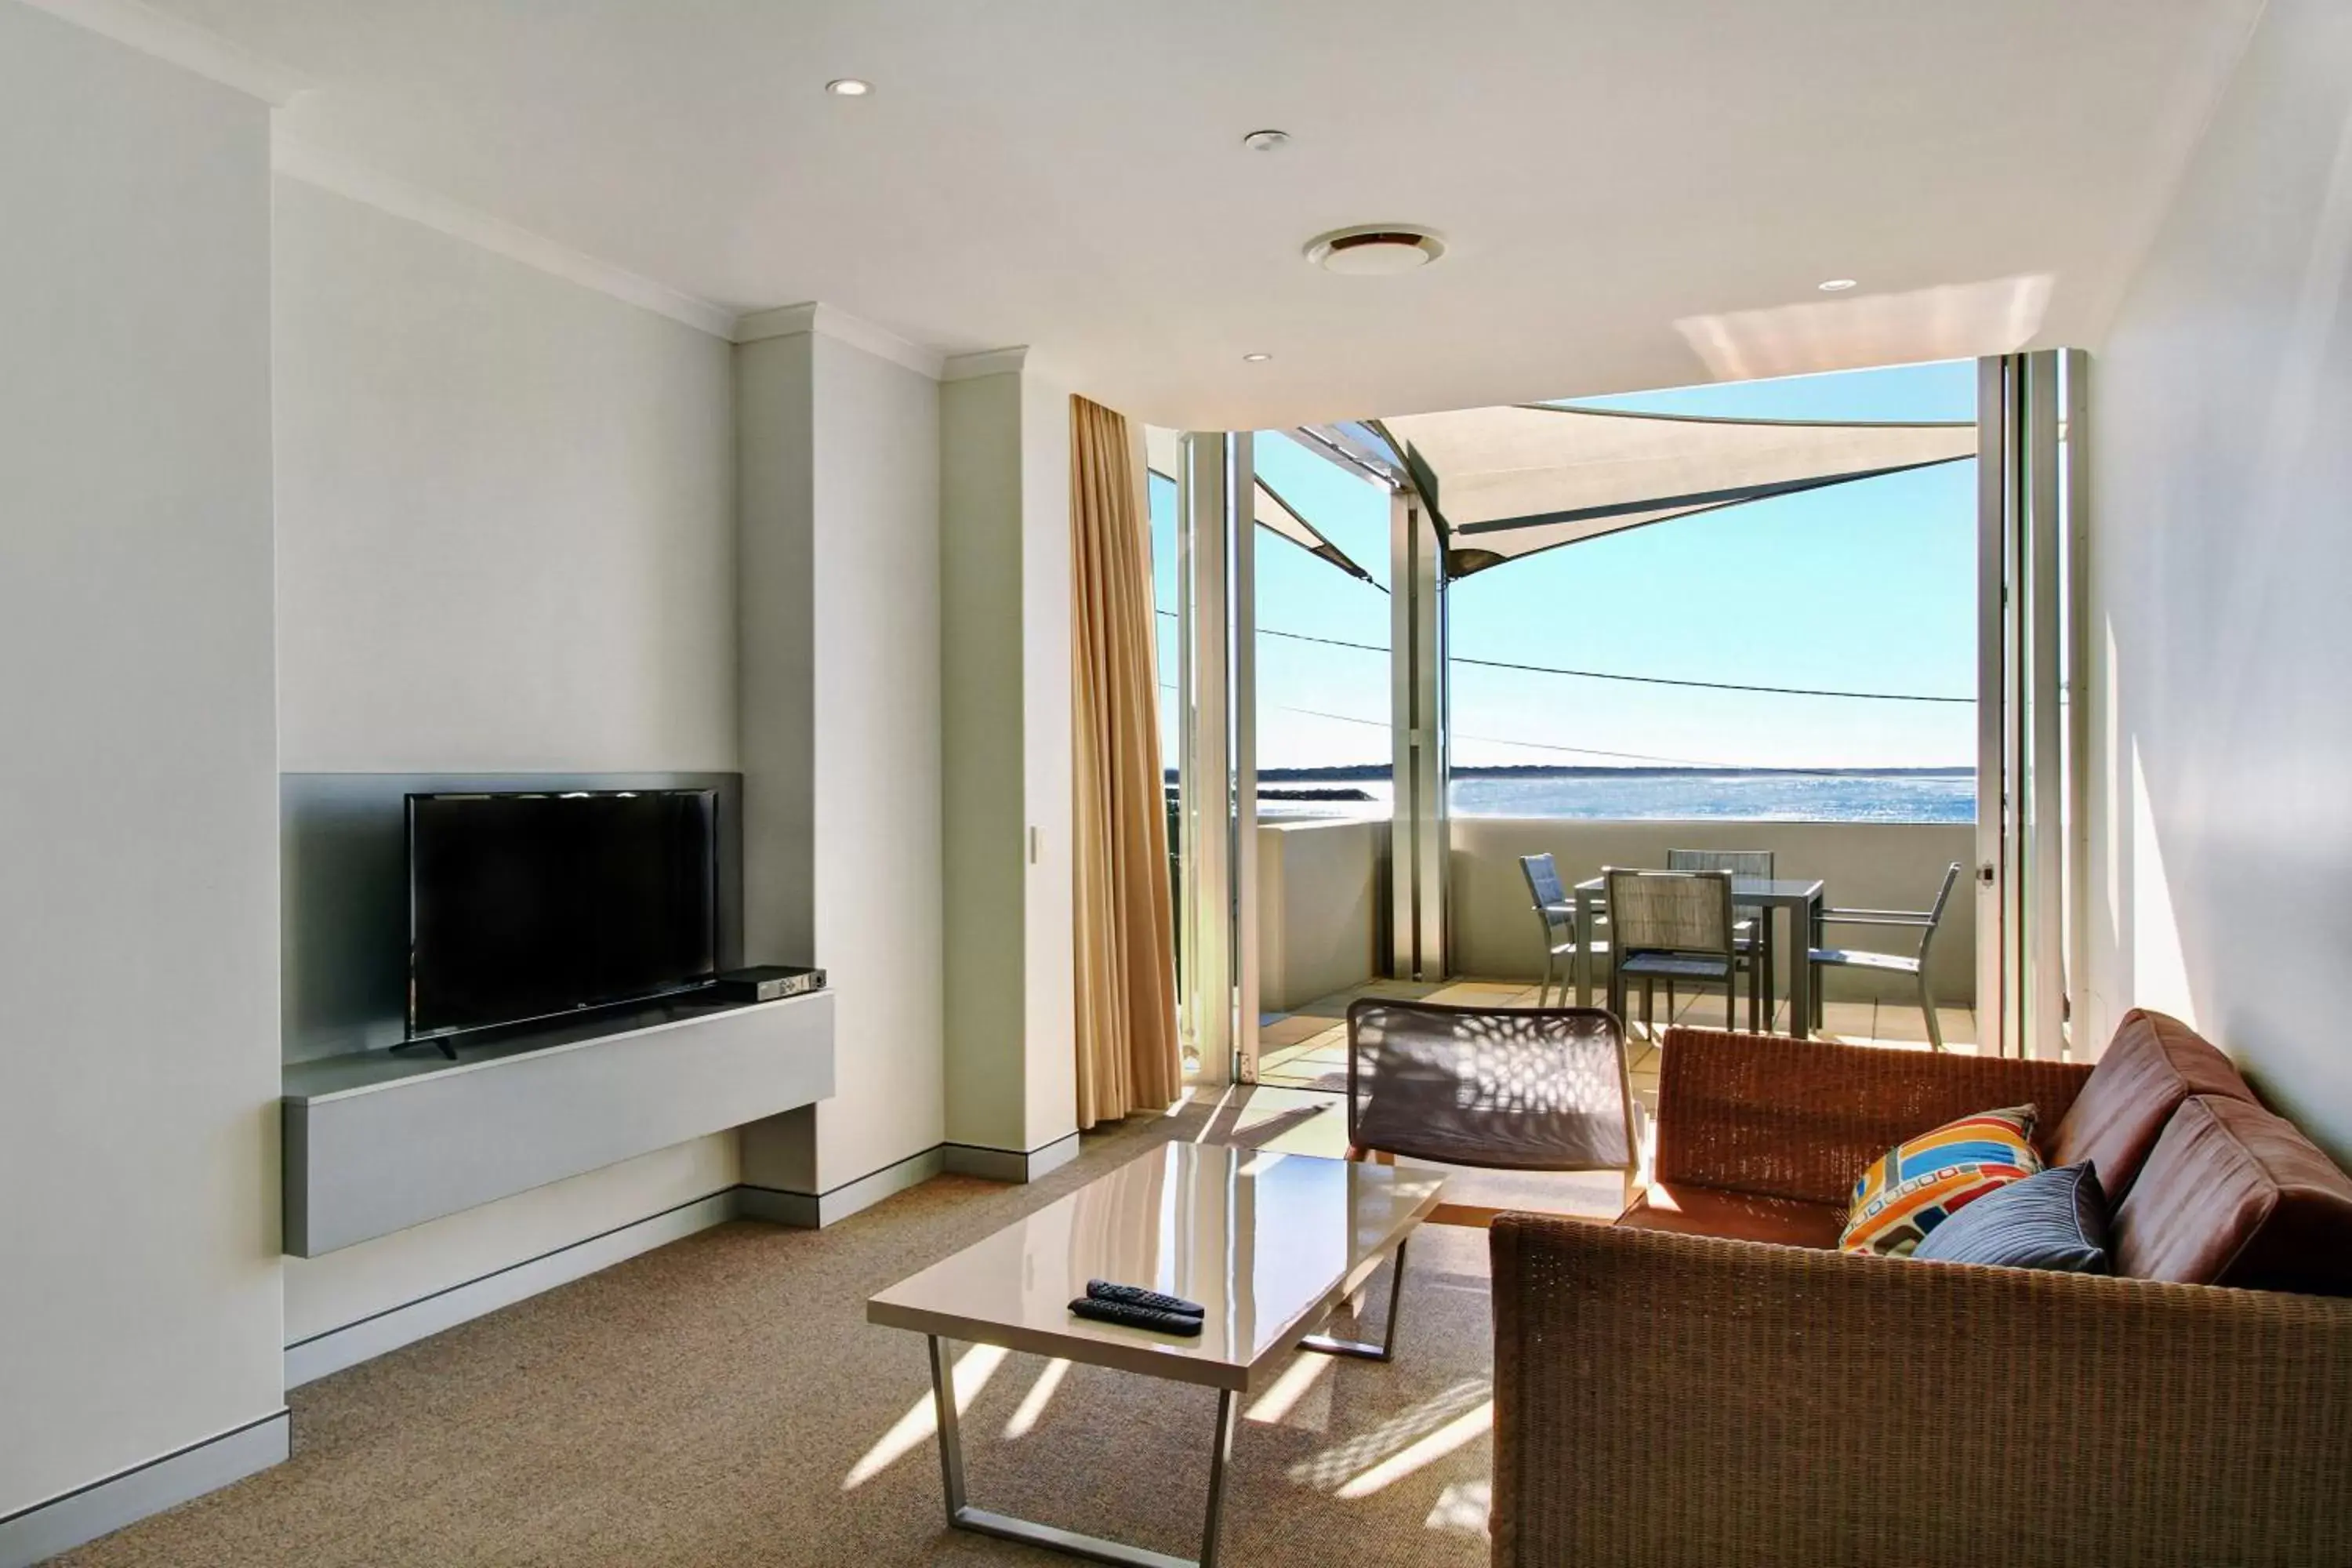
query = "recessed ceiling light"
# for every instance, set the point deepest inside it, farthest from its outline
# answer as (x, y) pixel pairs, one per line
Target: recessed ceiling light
(1835, 285)
(1375, 249)
(1266, 140)
(848, 86)
(1258, 358)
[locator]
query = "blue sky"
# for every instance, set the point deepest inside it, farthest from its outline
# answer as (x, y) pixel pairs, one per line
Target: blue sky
(1865, 586)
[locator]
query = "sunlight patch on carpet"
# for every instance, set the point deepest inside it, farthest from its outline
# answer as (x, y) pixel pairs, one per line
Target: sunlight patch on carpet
(1462, 1509)
(920, 1423)
(1278, 1402)
(1363, 1464)
(1464, 1428)
(1033, 1403)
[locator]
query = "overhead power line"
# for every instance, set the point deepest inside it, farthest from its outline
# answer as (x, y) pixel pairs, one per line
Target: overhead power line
(1533, 745)
(1614, 675)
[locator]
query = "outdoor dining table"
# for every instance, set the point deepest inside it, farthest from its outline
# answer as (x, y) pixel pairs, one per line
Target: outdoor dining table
(1798, 900)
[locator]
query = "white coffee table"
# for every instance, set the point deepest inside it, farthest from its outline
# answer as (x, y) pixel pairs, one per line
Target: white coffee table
(1268, 1244)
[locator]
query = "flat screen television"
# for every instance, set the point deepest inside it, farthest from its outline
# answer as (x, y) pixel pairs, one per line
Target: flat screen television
(527, 906)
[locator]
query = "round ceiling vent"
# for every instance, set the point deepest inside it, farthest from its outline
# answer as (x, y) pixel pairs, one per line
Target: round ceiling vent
(1375, 249)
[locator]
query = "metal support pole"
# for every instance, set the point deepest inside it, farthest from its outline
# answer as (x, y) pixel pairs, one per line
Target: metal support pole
(1418, 841)
(1207, 770)
(2045, 854)
(1241, 489)
(2074, 371)
(1993, 425)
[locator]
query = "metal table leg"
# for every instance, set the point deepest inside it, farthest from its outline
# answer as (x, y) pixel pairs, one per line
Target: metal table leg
(1358, 1349)
(1801, 972)
(962, 1515)
(1583, 959)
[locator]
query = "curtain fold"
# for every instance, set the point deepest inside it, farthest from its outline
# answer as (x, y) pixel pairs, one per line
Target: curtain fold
(1125, 940)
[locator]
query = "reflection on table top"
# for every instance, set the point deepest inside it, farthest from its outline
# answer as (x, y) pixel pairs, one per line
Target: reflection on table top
(1267, 1242)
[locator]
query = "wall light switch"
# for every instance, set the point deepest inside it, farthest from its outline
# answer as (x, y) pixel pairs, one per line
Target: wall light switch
(1033, 839)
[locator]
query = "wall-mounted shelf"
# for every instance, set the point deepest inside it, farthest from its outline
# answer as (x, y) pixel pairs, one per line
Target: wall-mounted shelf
(376, 1143)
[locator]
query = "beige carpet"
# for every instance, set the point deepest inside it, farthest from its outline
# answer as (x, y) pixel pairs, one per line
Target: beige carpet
(722, 1400)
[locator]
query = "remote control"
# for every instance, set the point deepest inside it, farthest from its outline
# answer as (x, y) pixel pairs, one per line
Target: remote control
(1136, 1317)
(1137, 1295)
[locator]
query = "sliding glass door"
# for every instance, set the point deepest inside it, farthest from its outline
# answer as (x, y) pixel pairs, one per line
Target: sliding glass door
(2032, 523)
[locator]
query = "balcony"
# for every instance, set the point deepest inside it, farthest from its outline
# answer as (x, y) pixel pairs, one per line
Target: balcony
(1322, 903)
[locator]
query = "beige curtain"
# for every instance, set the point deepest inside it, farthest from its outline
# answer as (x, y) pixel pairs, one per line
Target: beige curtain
(1126, 941)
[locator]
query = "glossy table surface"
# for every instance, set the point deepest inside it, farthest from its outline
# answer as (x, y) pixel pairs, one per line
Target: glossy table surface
(1266, 1243)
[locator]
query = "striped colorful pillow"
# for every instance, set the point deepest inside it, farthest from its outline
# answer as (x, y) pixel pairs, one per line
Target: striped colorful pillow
(1922, 1182)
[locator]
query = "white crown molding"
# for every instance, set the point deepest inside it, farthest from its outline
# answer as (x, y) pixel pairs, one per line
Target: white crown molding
(182, 44)
(987, 361)
(795, 320)
(313, 165)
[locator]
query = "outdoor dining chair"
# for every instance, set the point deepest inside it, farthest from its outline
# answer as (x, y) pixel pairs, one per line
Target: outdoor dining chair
(1557, 910)
(1677, 926)
(1914, 965)
(1755, 928)
(1738, 862)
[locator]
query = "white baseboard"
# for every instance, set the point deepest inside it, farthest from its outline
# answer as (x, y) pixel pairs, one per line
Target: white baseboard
(388, 1331)
(37, 1533)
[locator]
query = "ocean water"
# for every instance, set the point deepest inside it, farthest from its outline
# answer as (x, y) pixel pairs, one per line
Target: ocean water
(1671, 797)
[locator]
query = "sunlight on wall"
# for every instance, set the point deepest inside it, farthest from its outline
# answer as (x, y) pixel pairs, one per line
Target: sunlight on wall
(920, 1422)
(2159, 971)
(1952, 320)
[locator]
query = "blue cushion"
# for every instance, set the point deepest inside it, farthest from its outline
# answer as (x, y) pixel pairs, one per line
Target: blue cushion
(2057, 1219)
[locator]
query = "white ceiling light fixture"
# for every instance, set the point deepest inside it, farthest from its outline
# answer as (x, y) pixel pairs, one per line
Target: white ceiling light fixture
(1266, 141)
(1835, 285)
(1375, 249)
(1258, 357)
(849, 87)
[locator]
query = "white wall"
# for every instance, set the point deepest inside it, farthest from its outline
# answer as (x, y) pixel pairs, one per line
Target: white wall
(876, 722)
(139, 1274)
(506, 518)
(985, 758)
(506, 505)
(1005, 525)
(2221, 479)
(1865, 865)
(1050, 1062)
(841, 730)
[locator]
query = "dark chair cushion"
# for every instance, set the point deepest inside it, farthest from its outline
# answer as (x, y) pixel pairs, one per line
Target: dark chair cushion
(2057, 1219)
(2234, 1196)
(1737, 1216)
(2152, 1065)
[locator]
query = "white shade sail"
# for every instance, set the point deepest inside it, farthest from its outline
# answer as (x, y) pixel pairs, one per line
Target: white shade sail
(1509, 481)
(1272, 513)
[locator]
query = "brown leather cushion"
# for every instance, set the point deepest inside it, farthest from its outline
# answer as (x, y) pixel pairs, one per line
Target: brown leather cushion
(2150, 1066)
(2235, 1196)
(1738, 1217)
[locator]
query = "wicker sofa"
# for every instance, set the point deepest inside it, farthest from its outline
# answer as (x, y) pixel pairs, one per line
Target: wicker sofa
(1709, 1382)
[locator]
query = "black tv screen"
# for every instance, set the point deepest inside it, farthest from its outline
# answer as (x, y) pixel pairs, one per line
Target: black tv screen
(528, 906)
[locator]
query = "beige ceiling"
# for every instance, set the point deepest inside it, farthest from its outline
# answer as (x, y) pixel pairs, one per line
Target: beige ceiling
(1637, 193)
